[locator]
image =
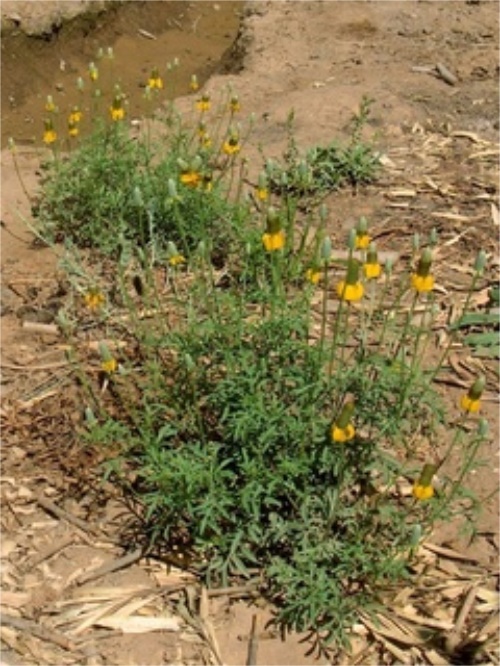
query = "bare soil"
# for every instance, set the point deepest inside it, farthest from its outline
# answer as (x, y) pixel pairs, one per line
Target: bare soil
(431, 69)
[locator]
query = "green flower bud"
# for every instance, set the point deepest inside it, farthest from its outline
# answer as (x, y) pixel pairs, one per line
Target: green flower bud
(483, 428)
(480, 263)
(362, 225)
(138, 200)
(172, 188)
(351, 241)
(326, 249)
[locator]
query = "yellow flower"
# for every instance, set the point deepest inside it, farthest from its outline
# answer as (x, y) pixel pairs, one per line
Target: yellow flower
(49, 136)
(205, 140)
(194, 83)
(94, 299)
(73, 129)
(372, 270)
(49, 105)
(274, 241)
(75, 116)
(362, 240)
(190, 178)
(422, 492)
(155, 80)
(351, 288)
(203, 104)
(342, 429)
(117, 112)
(234, 104)
(313, 275)
(109, 366)
(176, 260)
(371, 267)
(471, 401)
(343, 434)
(469, 405)
(231, 146)
(262, 193)
(422, 488)
(93, 72)
(423, 280)
(422, 283)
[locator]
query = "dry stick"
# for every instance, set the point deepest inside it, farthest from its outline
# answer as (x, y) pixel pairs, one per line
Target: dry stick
(52, 508)
(38, 327)
(110, 567)
(35, 368)
(453, 638)
(48, 553)
(253, 643)
(44, 633)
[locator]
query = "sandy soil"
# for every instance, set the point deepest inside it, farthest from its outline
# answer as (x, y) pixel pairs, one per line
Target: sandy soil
(431, 69)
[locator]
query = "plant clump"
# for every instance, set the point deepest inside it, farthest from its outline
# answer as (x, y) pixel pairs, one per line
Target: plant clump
(257, 399)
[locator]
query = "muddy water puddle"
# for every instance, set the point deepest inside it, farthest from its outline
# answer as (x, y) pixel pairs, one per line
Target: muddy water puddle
(143, 35)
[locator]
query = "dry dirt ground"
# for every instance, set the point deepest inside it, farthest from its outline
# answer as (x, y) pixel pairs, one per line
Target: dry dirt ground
(431, 69)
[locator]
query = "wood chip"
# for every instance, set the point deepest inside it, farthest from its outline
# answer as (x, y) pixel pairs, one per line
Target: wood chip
(139, 624)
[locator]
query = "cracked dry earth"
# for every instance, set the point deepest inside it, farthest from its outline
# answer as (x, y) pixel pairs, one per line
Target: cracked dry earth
(74, 588)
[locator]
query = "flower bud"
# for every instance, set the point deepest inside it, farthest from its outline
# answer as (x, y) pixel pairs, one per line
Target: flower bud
(351, 241)
(483, 428)
(138, 200)
(326, 249)
(480, 263)
(362, 225)
(172, 188)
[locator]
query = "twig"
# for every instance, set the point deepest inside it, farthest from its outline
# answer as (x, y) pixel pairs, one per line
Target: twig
(52, 508)
(44, 633)
(237, 591)
(110, 567)
(146, 34)
(453, 638)
(37, 327)
(48, 552)
(36, 368)
(445, 74)
(253, 643)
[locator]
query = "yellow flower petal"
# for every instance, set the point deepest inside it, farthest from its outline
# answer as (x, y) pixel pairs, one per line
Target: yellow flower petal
(362, 241)
(421, 492)
(372, 271)
(343, 434)
(350, 292)
(422, 283)
(191, 178)
(274, 241)
(313, 275)
(469, 404)
(109, 366)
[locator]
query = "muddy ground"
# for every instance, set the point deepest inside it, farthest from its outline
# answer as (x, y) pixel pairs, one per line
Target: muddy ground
(431, 69)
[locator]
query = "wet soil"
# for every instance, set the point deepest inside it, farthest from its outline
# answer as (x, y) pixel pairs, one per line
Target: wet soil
(439, 142)
(143, 35)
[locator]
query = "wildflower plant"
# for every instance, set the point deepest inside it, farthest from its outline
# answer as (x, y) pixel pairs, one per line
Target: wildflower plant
(263, 434)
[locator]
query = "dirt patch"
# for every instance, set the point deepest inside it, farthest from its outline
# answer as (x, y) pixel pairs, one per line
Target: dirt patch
(439, 143)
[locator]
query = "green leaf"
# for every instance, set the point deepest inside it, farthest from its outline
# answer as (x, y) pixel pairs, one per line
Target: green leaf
(476, 319)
